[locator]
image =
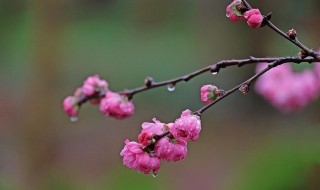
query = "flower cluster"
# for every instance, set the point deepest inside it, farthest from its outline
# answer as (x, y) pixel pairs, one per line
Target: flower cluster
(159, 141)
(285, 89)
(96, 90)
(288, 90)
(237, 11)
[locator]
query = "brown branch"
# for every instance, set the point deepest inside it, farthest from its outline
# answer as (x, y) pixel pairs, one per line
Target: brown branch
(295, 40)
(212, 68)
(245, 84)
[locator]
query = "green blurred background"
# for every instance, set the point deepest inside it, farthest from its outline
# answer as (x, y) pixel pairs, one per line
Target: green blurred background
(48, 47)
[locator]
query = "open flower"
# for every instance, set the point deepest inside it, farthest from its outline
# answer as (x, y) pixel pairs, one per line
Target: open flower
(171, 149)
(156, 128)
(116, 105)
(93, 84)
(187, 127)
(136, 158)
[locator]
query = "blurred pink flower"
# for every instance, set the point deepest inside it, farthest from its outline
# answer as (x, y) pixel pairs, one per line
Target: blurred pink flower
(288, 90)
(187, 127)
(136, 158)
(70, 107)
(116, 105)
(254, 18)
(171, 149)
(93, 84)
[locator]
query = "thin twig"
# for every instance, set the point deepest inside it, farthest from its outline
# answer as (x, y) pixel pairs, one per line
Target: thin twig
(247, 83)
(295, 41)
(212, 68)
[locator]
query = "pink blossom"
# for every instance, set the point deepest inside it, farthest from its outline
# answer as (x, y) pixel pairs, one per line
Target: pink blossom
(288, 90)
(77, 92)
(93, 84)
(136, 158)
(145, 138)
(171, 149)
(232, 13)
(116, 105)
(254, 18)
(209, 93)
(187, 127)
(156, 127)
(70, 107)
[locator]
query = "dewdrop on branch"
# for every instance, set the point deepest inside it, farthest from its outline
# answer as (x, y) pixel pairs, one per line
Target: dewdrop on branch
(171, 87)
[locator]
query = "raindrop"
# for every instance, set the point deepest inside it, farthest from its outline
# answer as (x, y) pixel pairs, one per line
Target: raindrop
(171, 87)
(154, 174)
(74, 119)
(214, 73)
(227, 15)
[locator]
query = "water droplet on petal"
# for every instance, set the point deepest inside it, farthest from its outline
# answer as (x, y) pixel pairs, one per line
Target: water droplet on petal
(154, 174)
(227, 15)
(171, 87)
(74, 119)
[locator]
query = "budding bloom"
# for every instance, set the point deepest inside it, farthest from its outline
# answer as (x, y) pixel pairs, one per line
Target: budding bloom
(187, 127)
(136, 158)
(156, 128)
(254, 18)
(234, 12)
(116, 105)
(70, 107)
(171, 149)
(145, 138)
(209, 93)
(292, 34)
(93, 84)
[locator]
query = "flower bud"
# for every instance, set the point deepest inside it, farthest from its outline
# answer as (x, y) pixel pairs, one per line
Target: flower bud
(244, 88)
(234, 11)
(209, 93)
(148, 81)
(254, 18)
(292, 34)
(70, 107)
